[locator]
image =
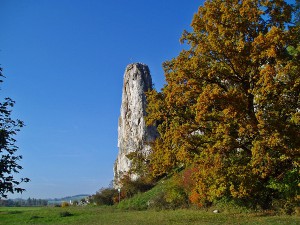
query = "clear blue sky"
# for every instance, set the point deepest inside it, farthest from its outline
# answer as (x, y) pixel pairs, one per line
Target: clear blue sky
(64, 61)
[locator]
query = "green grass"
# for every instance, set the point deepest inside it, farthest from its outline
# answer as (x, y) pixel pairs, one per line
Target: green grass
(112, 215)
(140, 200)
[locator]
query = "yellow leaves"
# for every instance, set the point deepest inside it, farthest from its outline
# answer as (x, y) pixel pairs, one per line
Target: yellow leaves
(209, 182)
(250, 10)
(208, 100)
(295, 119)
(229, 112)
(275, 35)
(241, 44)
(271, 52)
(270, 45)
(264, 160)
(274, 140)
(238, 191)
(284, 157)
(240, 181)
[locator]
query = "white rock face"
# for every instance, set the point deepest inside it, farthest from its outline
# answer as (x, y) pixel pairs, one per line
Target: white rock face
(133, 134)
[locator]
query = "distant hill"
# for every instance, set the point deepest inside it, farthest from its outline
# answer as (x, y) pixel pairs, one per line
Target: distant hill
(67, 199)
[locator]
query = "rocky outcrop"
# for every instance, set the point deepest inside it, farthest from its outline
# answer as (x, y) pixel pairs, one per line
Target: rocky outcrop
(133, 134)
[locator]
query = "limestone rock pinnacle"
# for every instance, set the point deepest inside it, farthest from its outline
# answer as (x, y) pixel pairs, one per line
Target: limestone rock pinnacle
(133, 134)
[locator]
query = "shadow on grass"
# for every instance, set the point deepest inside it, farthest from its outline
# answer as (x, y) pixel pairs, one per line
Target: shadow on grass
(65, 214)
(264, 214)
(14, 212)
(36, 217)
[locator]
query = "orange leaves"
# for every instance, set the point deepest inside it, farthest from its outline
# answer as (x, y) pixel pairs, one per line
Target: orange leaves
(208, 100)
(196, 198)
(241, 44)
(250, 10)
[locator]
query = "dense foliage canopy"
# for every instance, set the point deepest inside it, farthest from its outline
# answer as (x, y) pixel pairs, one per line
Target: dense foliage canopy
(229, 115)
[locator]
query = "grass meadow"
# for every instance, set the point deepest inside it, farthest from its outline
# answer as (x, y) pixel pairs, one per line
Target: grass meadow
(111, 215)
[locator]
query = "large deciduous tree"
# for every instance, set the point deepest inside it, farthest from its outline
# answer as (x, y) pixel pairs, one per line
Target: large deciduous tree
(231, 107)
(8, 158)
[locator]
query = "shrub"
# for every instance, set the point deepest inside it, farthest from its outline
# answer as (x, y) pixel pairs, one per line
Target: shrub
(287, 207)
(105, 196)
(131, 187)
(231, 205)
(75, 202)
(65, 204)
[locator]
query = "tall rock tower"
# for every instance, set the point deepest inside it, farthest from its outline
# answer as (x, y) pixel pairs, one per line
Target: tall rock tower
(133, 134)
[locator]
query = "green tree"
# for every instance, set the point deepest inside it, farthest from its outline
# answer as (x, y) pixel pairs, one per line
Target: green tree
(231, 108)
(8, 158)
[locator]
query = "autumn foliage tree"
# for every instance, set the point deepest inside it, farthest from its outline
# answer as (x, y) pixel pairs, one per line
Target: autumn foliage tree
(230, 109)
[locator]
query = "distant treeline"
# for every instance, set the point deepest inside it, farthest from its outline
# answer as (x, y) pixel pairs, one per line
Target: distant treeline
(24, 202)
